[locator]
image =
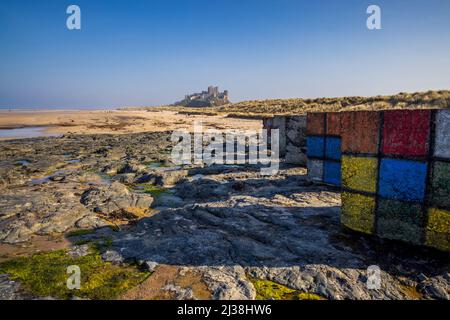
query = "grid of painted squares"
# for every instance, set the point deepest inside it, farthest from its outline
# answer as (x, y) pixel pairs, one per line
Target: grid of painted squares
(395, 173)
(323, 143)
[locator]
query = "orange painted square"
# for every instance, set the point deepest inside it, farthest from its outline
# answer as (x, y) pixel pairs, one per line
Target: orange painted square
(334, 123)
(360, 131)
(315, 124)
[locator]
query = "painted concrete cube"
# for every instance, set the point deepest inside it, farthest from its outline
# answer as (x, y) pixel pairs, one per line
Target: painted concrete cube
(402, 179)
(395, 171)
(442, 136)
(359, 173)
(360, 131)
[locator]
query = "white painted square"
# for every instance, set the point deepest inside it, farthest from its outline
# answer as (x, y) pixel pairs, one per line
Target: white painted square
(442, 136)
(315, 170)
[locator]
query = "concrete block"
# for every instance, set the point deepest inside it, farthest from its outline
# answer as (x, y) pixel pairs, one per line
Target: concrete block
(360, 173)
(358, 212)
(440, 185)
(332, 173)
(277, 122)
(315, 147)
(333, 148)
(315, 170)
(315, 124)
(400, 221)
(296, 140)
(438, 229)
(402, 179)
(442, 137)
(360, 131)
(295, 155)
(406, 132)
(296, 130)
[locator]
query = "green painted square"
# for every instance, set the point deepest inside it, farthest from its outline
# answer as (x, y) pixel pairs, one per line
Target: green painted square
(400, 221)
(440, 185)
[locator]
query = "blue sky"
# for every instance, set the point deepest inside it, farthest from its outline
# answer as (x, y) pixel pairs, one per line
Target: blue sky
(153, 52)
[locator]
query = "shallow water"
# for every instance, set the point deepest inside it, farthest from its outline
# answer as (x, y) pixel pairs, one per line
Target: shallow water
(28, 132)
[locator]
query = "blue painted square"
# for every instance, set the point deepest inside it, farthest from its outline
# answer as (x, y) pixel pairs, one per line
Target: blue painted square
(332, 173)
(315, 147)
(402, 179)
(333, 148)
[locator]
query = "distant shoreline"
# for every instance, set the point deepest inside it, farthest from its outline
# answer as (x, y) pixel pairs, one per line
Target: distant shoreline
(2, 108)
(106, 121)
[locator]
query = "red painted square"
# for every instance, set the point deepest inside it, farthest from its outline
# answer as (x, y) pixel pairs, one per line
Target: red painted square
(406, 132)
(334, 123)
(315, 124)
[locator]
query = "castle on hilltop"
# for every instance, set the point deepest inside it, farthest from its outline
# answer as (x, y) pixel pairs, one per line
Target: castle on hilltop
(209, 98)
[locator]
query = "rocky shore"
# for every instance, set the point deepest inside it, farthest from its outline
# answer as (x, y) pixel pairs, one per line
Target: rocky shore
(220, 232)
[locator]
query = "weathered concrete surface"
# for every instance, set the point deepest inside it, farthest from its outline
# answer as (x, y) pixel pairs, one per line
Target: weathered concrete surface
(333, 148)
(315, 124)
(324, 143)
(442, 144)
(277, 122)
(332, 173)
(400, 220)
(292, 130)
(402, 179)
(440, 185)
(358, 212)
(438, 229)
(316, 147)
(360, 131)
(359, 173)
(296, 140)
(333, 124)
(315, 170)
(406, 132)
(411, 190)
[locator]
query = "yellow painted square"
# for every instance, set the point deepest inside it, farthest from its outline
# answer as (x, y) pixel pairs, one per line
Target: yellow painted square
(358, 212)
(360, 173)
(438, 229)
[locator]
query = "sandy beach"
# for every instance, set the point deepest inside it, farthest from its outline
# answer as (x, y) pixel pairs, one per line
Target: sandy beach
(57, 122)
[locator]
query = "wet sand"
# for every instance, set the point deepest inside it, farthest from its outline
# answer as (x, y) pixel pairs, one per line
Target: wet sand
(56, 122)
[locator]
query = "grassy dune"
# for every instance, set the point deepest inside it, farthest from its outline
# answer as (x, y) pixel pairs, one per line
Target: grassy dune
(262, 108)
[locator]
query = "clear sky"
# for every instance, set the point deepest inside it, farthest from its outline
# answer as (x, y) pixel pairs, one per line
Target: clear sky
(151, 52)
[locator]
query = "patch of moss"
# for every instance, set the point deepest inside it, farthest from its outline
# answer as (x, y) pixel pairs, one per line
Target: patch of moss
(81, 242)
(79, 233)
(45, 274)
(268, 290)
(155, 191)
